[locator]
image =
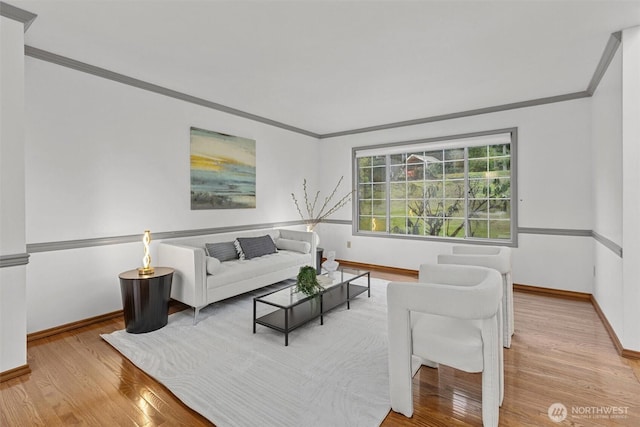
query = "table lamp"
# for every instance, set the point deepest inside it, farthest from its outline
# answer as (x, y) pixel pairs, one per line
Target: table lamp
(146, 268)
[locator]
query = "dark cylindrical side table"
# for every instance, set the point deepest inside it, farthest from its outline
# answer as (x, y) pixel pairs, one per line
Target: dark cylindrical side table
(145, 299)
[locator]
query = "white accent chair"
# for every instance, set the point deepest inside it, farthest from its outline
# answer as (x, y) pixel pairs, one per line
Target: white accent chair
(496, 257)
(450, 316)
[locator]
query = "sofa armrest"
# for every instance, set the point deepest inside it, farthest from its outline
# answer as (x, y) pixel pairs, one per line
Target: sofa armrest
(189, 262)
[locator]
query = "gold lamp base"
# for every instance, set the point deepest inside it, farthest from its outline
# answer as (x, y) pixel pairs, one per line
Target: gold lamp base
(145, 271)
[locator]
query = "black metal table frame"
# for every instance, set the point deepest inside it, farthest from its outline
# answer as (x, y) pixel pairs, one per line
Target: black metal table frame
(288, 310)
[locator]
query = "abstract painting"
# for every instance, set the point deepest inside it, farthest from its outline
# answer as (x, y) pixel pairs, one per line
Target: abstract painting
(223, 171)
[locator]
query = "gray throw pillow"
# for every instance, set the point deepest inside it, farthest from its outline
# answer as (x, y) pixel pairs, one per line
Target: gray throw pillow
(254, 247)
(224, 251)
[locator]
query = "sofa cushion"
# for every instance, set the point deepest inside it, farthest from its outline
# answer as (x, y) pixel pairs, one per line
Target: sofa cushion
(223, 251)
(293, 245)
(241, 270)
(254, 247)
(213, 265)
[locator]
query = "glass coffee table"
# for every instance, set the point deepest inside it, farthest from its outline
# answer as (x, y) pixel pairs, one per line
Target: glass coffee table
(294, 309)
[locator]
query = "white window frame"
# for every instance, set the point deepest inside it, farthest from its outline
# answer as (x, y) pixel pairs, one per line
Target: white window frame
(508, 135)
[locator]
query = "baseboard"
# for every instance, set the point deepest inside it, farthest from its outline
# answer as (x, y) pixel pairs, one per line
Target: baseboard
(558, 293)
(612, 334)
(628, 354)
(14, 373)
(363, 266)
(173, 307)
(71, 326)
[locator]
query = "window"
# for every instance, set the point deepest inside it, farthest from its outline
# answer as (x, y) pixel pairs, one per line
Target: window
(459, 187)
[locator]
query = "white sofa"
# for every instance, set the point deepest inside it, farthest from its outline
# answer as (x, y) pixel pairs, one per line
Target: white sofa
(200, 280)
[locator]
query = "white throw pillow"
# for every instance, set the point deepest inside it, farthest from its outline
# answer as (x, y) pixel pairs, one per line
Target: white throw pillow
(213, 265)
(293, 245)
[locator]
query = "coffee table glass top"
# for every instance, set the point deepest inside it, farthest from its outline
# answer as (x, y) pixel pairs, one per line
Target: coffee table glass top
(287, 297)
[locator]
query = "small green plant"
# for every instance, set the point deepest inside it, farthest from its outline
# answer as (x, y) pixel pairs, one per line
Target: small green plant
(307, 282)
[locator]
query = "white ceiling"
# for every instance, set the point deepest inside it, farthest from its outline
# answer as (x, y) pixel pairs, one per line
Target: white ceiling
(330, 66)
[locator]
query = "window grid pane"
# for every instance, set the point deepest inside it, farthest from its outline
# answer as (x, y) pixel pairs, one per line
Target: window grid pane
(455, 193)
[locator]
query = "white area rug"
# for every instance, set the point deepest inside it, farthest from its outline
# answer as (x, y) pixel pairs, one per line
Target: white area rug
(330, 375)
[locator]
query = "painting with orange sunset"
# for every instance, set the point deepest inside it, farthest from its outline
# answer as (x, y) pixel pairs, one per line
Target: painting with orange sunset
(223, 171)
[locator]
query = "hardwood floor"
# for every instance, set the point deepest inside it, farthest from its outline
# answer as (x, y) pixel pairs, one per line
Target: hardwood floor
(561, 353)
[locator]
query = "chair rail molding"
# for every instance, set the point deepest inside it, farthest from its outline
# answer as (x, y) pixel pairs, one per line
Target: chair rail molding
(163, 235)
(13, 260)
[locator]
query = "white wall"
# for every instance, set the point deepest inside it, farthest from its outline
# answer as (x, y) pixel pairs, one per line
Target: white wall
(13, 343)
(606, 180)
(554, 191)
(105, 159)
(631, 191)
(616, 202)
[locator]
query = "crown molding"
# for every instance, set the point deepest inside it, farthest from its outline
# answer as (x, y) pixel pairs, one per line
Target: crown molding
(141, 84)
(17, 14)
(468, 113)
(606, 58)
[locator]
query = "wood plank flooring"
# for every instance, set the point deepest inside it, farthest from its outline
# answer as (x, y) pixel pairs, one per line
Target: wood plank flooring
(561, 353)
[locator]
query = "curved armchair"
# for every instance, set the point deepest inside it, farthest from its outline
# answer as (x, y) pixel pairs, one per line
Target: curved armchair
(496, 257)
(450, 316)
